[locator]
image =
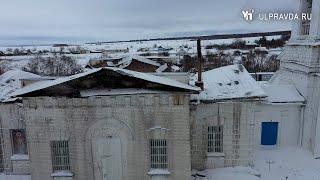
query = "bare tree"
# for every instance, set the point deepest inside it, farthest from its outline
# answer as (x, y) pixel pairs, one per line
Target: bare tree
(259, 62)
(238, 44)
(258, 59)
(272, 64)
(219, 59)
(4, 66)
(56, 65)
(189, 62)
(16, 51)
(9, 49)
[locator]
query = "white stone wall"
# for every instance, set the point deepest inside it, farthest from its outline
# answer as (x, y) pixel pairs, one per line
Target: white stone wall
(11, 117)
(300, 67)
(127, 117)
(289, 118)
(20, 167)
(237, 119)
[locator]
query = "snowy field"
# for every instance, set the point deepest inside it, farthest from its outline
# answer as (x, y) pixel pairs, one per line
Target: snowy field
(285, 164)
(18, 62)
(134, 46)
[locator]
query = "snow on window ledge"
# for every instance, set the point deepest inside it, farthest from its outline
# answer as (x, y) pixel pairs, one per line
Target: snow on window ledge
(159, 172)
(20, 157)
(215, 154)
(62, 174)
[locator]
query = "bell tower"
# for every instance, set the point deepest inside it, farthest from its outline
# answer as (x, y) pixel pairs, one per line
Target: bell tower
(300, 67)
(308, 27)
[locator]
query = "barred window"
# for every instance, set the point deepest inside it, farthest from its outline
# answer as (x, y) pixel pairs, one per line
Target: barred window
(158, 153)
(215, 139)
(60, 155)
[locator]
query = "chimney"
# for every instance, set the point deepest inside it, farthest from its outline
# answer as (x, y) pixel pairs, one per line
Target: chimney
(199, 83)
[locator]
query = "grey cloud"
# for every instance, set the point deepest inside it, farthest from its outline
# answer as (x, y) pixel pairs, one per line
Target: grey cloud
(129, 19)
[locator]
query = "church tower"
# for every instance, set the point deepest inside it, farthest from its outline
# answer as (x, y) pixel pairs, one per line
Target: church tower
(300, 66)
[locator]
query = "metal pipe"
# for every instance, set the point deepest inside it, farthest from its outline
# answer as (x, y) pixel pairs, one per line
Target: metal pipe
(199, 59)
(199, 83)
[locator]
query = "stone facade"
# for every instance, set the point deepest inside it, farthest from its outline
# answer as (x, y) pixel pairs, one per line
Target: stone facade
(237, 119)
(300, 66)
(11, 117)
(287, 115)
(132, 119)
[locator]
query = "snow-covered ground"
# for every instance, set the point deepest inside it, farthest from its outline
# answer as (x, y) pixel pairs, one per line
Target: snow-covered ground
(294, 163)
(15, 177)
(134, 46)
(230, 173)
(289, 163)
(18, 62)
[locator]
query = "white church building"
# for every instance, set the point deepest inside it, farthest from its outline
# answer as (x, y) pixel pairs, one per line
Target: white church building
(112, 123)
(300, 68)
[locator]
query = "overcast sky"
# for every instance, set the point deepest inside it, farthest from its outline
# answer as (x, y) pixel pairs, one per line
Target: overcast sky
(74, 21)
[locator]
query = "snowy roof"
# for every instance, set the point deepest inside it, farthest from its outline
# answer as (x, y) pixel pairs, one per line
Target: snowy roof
(162, 68)
(146, 60)
(10, 82)
(228, 82)
(127, 60)
(251, 44)
(261, 48)
(282, 94)
(147, 77)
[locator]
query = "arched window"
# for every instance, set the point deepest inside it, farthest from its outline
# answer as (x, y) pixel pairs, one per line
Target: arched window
(305, 23)
(158, 145)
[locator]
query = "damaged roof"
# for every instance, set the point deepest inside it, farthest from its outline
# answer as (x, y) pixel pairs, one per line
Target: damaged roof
(228, 82)
(138, 75)
(127, 60)
(10, 82)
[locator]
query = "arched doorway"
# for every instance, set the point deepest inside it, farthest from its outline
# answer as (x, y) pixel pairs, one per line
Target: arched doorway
(109, 141)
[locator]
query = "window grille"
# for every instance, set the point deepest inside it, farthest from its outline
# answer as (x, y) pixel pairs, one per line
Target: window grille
(158, 153)
(215, 139)
(60, 155)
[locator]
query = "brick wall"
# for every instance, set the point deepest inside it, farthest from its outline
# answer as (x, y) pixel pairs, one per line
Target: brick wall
(11, 117)
(127, 117)
(238, 136)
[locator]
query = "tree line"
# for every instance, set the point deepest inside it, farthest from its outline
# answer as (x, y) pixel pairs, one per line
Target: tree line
(253, 61)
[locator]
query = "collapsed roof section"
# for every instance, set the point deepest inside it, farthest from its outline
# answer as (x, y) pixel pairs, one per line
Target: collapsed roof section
(128, 62)
(102, 78)
(10, 82)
